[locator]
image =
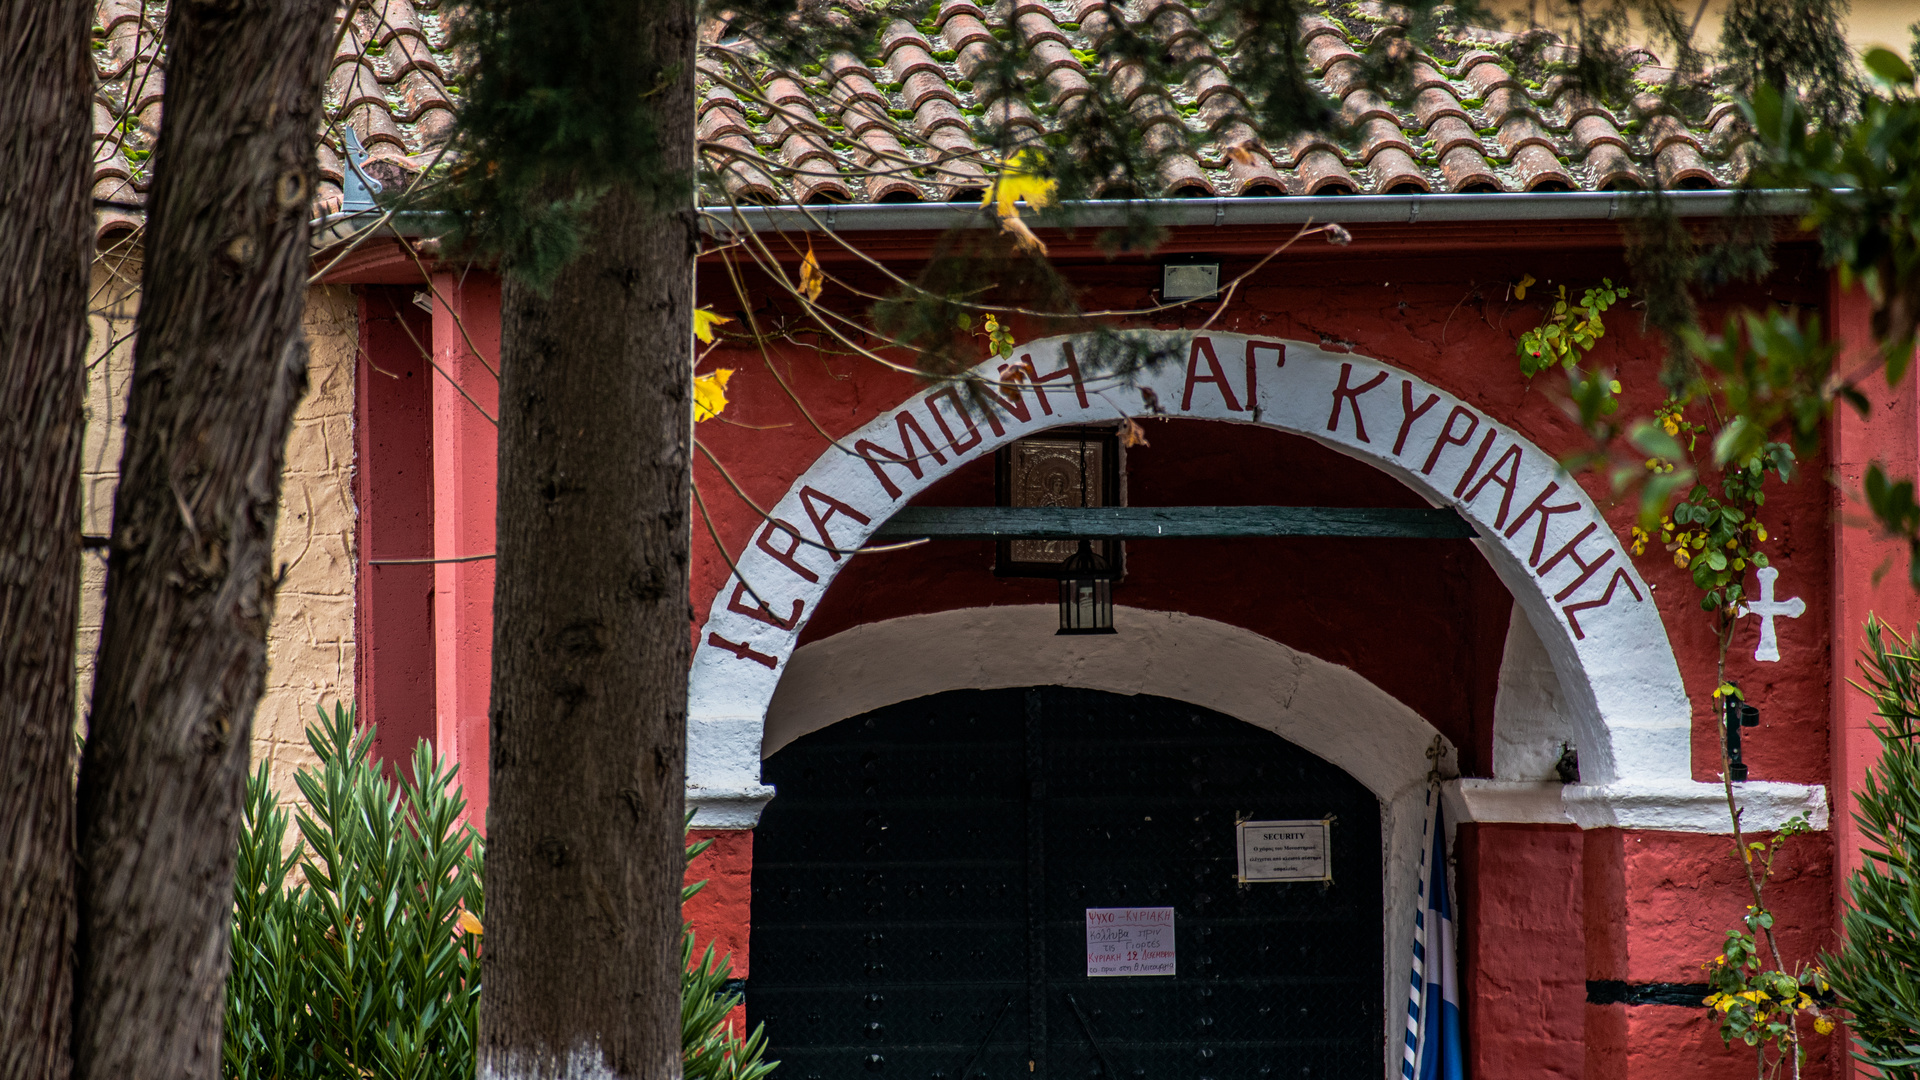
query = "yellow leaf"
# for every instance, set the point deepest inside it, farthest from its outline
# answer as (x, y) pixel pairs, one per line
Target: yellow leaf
(710, 394)
(704, 320)
(470, 923)
(811, 279)
(1823, 1025)
(1020, 179)
(1520, 288)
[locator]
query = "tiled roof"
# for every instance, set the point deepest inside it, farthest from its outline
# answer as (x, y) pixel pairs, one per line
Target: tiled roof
(1467, 122)
(391, 80)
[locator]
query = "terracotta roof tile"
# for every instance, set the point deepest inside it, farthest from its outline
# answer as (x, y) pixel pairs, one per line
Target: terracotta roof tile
(913, 112)
(1451, 132)
(1540, 170)
(1321, 172)
(1467, 170)
(1610, 168)
(1393, 171)
(1435, 102)
(1593, 129)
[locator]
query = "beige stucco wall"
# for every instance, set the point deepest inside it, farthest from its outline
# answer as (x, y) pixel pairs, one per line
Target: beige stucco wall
(1885, 23)
(310, 645)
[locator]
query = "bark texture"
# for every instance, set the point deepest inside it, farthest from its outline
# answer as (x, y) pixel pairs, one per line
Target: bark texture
(219, 364)
(46, 214)
(591, 646)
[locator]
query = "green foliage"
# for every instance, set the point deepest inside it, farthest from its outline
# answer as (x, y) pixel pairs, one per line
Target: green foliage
(709, 1048)
(1877, 971)
(559, 109)
(1754, 1003)
(1893, 506)
(1570, 330)
(1716, 539)
(1865, 194)
(356, 966)
(1772, 370)
(356, 951)
(1797, 45)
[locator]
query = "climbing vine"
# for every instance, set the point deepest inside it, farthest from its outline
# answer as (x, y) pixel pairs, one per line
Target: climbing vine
(1713, 532)
(1570, 331)
(1757, 1004)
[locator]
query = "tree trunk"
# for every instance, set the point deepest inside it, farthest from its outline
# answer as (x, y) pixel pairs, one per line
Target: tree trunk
(591, 642)
(46, 214)
(219, 365)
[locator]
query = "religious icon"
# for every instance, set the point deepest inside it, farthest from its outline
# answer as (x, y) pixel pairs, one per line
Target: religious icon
(1064, 468)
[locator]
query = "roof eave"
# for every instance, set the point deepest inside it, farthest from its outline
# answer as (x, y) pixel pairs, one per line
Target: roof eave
(1238, 211)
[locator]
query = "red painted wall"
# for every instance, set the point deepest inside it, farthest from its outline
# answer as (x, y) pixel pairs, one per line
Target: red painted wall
(722, 912)
(393, 475)
(1544, 909)
(466, 399)
(1522, 942)
(1446, 316)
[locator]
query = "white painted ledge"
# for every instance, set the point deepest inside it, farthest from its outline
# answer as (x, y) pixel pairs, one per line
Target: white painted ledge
(1664, 806)
(721, 809)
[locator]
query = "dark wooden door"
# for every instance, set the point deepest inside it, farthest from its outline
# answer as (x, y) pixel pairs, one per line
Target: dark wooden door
(922, 877)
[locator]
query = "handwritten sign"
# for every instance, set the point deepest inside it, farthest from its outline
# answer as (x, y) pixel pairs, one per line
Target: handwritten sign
(1129, 941)
(1284, 851)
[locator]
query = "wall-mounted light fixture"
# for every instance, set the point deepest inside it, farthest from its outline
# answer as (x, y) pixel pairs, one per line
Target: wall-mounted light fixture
(1739, 715)
(1190, 278)
(1086, 593)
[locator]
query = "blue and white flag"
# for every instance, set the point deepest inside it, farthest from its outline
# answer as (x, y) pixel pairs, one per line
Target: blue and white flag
(1435, 1049)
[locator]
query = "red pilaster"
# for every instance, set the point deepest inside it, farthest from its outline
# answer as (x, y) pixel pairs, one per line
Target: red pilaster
(1887, 434)
(393, 479)
(1860, 554)
(721, 913)
(1525, 947)
(466, 396)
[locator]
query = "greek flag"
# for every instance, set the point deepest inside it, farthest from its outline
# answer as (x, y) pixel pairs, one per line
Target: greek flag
(1435, 1049)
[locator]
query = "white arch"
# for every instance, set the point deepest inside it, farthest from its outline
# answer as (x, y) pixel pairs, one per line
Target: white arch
(1537, 528)
(1323, 708)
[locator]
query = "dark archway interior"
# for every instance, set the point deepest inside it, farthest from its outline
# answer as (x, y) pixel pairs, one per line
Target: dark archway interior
(924, 886)
(1425, 620)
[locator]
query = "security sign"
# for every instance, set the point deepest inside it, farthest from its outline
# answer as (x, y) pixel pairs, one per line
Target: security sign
(1284, 851)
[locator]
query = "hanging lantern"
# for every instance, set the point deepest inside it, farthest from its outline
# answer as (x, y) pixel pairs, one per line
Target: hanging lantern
(1086, 593)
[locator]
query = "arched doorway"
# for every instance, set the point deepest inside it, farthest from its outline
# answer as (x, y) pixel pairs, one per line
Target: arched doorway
(923, 879)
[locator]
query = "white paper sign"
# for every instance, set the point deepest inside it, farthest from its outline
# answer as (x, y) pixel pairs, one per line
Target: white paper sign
(1129, 941)
(1284, 851)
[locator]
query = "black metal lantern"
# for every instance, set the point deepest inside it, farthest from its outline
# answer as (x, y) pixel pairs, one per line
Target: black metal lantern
(1086, 593)
(1739, 715)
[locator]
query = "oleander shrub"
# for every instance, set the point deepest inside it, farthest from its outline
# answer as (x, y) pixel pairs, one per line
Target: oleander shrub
(356, 946)
(1877, 970)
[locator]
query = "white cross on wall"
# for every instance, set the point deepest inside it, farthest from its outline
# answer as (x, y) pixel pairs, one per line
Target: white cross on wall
(1768, 609)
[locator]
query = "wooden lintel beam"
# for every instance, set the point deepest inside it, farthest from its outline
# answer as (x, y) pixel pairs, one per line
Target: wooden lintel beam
(1147, 522)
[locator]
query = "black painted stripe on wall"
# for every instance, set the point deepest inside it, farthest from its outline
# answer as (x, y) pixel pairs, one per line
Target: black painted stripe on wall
(1616, 992)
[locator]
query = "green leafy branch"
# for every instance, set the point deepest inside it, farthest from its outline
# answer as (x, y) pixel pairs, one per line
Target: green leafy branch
(1570, 331)
(1754, 1003)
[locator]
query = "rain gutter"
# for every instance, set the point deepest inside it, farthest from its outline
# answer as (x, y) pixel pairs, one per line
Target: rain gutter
(1242, 211)
(1280, 210)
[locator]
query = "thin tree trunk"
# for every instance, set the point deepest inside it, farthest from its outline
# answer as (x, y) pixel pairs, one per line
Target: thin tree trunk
(219, 365)
(46, 214)
(591, 642)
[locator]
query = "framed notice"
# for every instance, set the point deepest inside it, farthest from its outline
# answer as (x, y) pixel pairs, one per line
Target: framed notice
(1284, 851)
(1129, 941)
